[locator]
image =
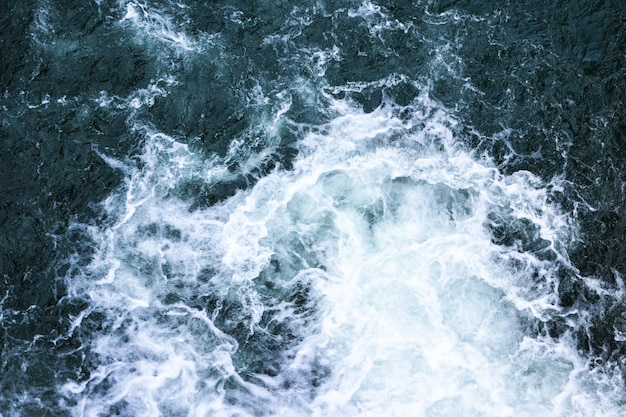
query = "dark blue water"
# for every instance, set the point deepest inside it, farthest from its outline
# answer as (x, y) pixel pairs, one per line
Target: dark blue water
(312, 208)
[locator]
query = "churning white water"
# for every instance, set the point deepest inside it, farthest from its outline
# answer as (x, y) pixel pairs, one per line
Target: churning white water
(303, 228)
(363, 282)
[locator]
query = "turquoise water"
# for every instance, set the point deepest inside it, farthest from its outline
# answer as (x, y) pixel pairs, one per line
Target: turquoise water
(312, 209)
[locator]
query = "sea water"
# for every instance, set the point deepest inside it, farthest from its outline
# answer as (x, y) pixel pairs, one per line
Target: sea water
(310, 209)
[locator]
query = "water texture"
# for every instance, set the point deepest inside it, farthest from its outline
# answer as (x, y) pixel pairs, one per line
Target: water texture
(313, 208)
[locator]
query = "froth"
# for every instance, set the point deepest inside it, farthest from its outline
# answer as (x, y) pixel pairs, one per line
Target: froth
(156, 24)
(364, 281)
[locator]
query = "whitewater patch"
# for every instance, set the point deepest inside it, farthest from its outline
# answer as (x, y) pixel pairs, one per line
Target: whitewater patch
(364, 281)
(156, 24)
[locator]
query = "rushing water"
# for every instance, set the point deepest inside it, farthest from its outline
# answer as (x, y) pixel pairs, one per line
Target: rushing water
(314, 208)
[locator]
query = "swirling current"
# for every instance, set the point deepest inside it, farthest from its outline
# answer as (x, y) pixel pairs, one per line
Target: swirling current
(312, 208)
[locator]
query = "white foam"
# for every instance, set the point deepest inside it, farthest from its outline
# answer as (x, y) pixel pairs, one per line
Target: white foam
(157, 24)
(415, 310)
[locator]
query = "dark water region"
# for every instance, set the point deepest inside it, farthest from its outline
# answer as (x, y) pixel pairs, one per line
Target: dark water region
(536, 87)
